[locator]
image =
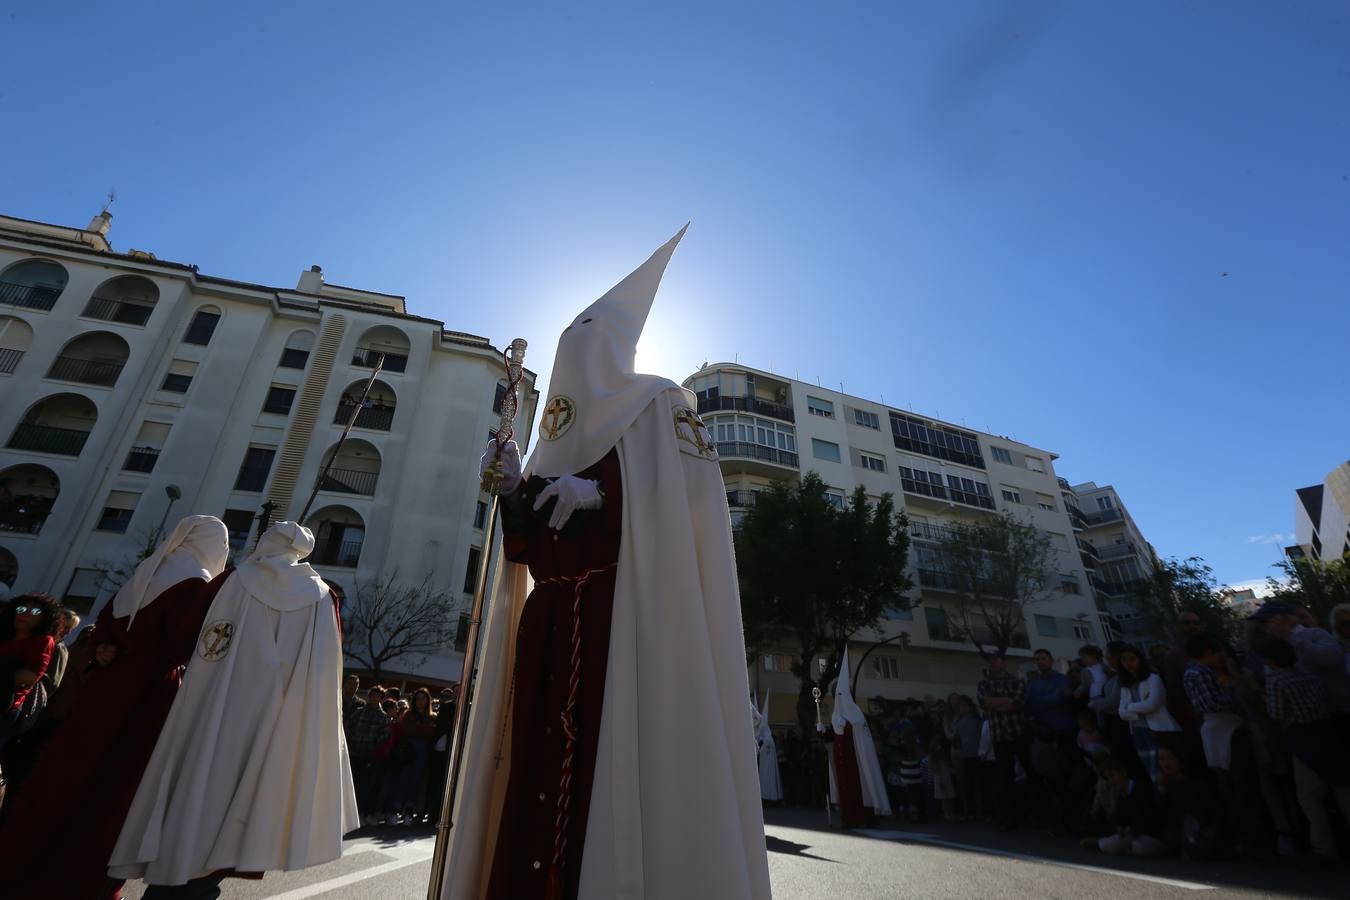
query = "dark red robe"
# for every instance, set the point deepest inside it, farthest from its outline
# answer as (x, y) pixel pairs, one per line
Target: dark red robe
(78, 795)
(847, 780)
(525, 841)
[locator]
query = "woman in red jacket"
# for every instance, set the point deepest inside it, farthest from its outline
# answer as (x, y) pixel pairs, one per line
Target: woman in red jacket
(27, 623)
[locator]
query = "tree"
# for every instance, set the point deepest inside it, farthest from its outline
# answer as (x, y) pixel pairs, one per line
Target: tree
(814, 575)
(387, 620)
(1186, 585)
(997, 567)
(1320, 585)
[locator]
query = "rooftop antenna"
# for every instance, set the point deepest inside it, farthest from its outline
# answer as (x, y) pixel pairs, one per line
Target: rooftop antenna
(112, 196)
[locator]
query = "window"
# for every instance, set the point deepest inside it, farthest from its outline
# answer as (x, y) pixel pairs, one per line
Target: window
(279, 400)
(471, 570)
(825, 450)
(480, 515)
(1069, 584)
(253, 471)
(937, 441)
(497, 400)
(179, 376)
(1082, 631)
(1046, 626)
(462, 633)
(1035, 464)
(1045, 501)
(749, 430)
(777, 662)
(1105, 502)
(875, 463)
(1001, 455)
(887, 667)
(968, 491)
(836, 499)
(1012, 495)
(83, 590)
(938, 627)
(141, 459)
(818, 407)
(202, 326)
(238, 522)
(116, 514)
(293, 358)
(867, 419)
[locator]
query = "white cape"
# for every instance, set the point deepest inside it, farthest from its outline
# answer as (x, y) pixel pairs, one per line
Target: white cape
(675, 809)
(250, 772)
(847, 712)
(770, 778)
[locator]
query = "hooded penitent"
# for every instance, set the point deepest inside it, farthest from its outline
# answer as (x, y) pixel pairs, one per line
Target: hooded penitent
(770, 778)
(847, 712)
(250, 772)
(674, 810)
(198, 547)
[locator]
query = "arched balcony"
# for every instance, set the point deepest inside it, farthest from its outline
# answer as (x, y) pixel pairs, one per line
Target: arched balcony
(295, 355)
(27, 494)
(386, 340)
(339, 532)
(355, 469)
(377, 413)
(59, 424)
(127, 299)
(94, 358)
(33, 284)
(16, 336)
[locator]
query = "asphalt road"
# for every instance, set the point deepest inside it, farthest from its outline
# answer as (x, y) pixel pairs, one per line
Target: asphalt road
(809, 860)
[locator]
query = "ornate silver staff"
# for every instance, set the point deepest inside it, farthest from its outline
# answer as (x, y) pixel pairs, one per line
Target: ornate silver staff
(829, 816)
(491, 485)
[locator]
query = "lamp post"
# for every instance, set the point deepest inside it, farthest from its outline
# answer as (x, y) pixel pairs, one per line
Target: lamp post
(174, 493)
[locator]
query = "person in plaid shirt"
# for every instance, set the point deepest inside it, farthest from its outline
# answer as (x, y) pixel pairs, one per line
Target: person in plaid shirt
(1001, 696)
(1298, 703)
(366, 727)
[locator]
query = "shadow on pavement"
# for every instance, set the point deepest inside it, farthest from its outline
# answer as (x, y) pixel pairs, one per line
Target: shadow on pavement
(778, 845)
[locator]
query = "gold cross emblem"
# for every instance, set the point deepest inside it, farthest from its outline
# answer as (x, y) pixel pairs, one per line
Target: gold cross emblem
(558, 416)
(216, 640)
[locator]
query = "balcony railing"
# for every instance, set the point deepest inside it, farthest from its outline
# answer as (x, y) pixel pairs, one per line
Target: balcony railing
(365, 358)
(100, 372)
(1117, 551)
(1130, 588)
(1102, 516)
(141, 459)
(9, 360)
(744, 450)
(747, 405)
(28, 296)
(25, 513)
(380, 418)
(349, 481)
(743, 499)
(117, 311)
(343, 554)
(938, 580)
(1076, 516)
(942, 492)
(46, 439)
(1089, 550)
(923, 531)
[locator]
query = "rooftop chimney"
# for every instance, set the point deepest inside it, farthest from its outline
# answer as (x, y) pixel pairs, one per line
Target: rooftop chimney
(100, 223)
(311, 282)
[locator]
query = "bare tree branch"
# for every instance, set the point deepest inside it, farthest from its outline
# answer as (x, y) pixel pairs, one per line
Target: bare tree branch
(389, 619)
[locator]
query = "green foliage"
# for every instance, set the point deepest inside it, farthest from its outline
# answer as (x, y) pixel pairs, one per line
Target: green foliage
(1187, 585)
(814, 575)
(996, 566)
(1320, 585)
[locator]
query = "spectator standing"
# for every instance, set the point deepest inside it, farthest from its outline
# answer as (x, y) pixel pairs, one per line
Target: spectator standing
(27, 624)
(1143, 707)
(351, 695)
(965, 743)
(1174, 673)
(439, 757)
(1049, 703)
(1319, 653)
(1092, 675)
(1297, 702)
(1002, 696)
(412, 737)
(939, 768)
(367, 728)
(1193, 812)
(1340, 627)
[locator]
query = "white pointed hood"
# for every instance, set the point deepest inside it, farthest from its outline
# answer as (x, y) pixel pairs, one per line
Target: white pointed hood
(274, 574)
(845, 710)
(198, 547)
(595, 394)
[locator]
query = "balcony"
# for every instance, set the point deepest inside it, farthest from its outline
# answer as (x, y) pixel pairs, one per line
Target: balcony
(1117, 551)
(141, 459)
(752, 405)
(1125, 589)
(937, 534)
(349, 481)
(1076, 516)
(366, 357)
(98, 372)
(741, 499)
(118, 311)
(379, 418)
(9, 360)
(1102, 516)
(28, 296)
(944, 493)
(938, 580)
(48, 439)
(1088, 550)
(343, 554)
(759, 452)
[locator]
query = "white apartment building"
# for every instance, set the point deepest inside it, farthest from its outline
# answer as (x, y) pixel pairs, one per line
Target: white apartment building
(134, 391)
(771, 428)
(1322, 517)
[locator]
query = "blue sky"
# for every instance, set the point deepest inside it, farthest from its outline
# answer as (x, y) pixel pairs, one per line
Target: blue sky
(1018, 215)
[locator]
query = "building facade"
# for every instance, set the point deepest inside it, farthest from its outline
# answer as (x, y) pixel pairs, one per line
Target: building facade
(134, 391)
(1322, 517)
(770, 428)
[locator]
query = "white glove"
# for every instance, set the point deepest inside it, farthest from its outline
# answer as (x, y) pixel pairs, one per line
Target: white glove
(510, 457)
(573, 493)
(820, 729)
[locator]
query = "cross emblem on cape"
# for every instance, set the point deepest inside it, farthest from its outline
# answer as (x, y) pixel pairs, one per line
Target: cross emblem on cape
(558, 417)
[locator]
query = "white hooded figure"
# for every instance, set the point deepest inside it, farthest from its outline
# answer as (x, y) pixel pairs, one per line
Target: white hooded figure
(846, 712)
(250, 772)
(770, 778)
(674, 808)
(198, 547)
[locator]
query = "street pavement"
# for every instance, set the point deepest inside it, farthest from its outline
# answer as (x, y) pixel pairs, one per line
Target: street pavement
(808, 859)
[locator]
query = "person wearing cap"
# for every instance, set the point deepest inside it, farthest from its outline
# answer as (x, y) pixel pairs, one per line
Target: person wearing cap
(1319, 653)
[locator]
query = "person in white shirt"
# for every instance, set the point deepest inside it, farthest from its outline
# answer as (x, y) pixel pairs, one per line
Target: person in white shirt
(1143, 707)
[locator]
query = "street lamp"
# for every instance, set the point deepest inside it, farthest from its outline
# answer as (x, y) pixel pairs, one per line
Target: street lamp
(175, 494)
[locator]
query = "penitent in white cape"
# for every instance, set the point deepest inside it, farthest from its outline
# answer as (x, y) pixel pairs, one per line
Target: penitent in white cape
(846, 712)
(250, 772)
(770, 778)
(675, 811)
